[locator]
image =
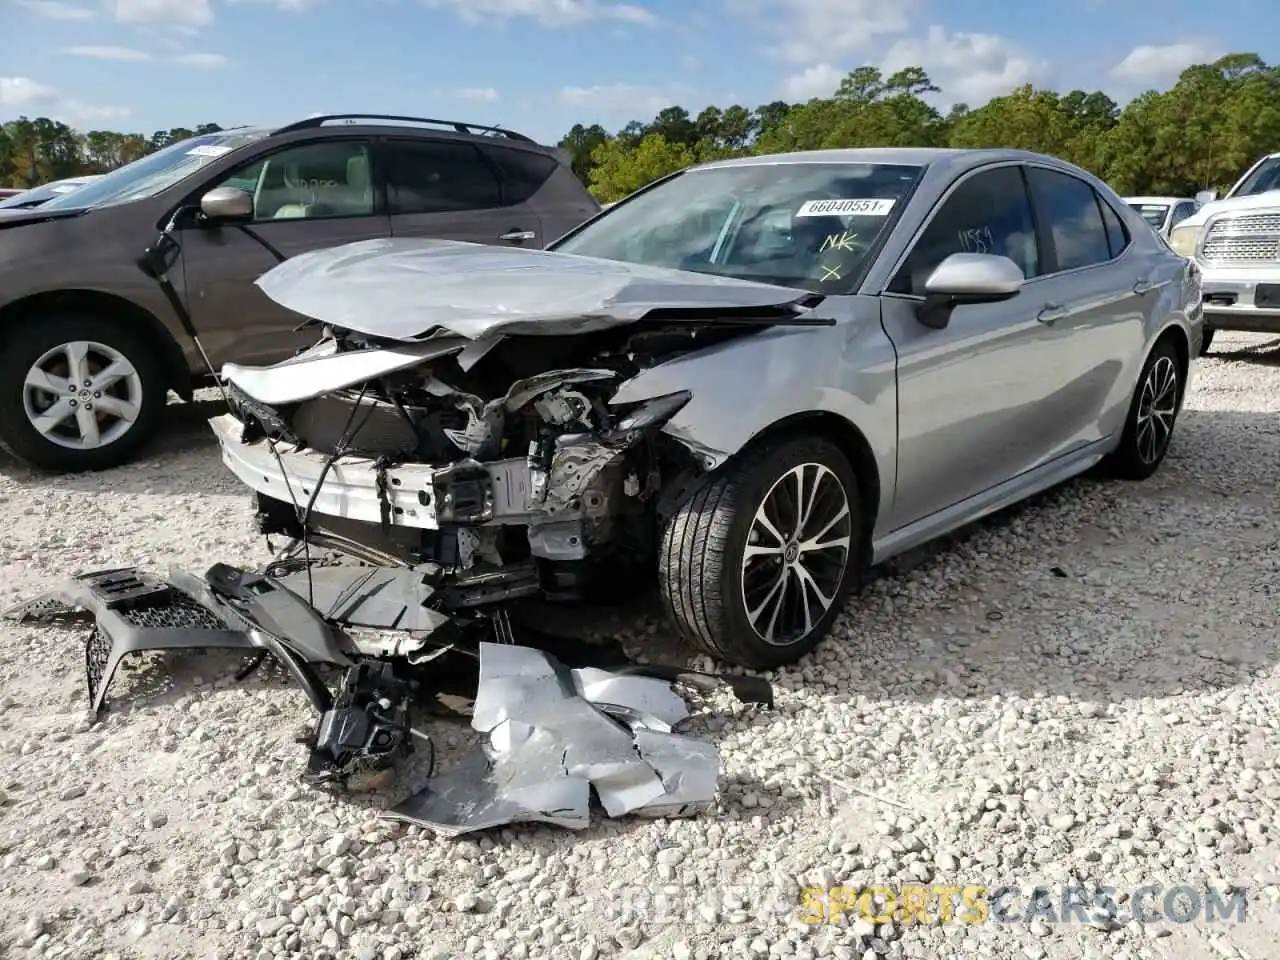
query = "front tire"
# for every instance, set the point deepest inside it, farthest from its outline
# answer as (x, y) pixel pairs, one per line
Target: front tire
(755, 566)
(1148, 428)
(78, 392)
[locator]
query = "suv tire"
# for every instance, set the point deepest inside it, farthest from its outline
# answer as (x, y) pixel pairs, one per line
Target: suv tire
(113, 410)
(719, 565)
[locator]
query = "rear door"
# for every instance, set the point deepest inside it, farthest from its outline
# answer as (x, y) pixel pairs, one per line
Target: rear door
(1095, 295)
(449, 190)
(306, 197)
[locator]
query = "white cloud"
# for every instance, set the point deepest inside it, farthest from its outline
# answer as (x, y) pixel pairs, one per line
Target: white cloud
(76, 111)
(23, 91)
(183, 13)
(820, 80)
(58, 10)
(818, 31)
(549, 13)
(1154, 64)
(288, 6)
(22, 94)
(202, 61)
(969, 67)
(477, 94)
(124, 54)
(620, 99)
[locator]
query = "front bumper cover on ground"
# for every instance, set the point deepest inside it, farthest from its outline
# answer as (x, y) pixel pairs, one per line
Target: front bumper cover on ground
(554, 734)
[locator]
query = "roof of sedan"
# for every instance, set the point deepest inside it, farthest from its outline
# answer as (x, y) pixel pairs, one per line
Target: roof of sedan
(907, 156)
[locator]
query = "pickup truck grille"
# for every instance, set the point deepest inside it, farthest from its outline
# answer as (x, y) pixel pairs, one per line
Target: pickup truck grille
(1250, 240)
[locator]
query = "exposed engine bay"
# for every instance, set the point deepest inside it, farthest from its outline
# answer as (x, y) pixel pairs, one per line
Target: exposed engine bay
(514, 470)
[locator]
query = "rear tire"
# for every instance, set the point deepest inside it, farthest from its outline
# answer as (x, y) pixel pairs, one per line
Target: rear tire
(97, 422)
(740, 577)
(1148, 427)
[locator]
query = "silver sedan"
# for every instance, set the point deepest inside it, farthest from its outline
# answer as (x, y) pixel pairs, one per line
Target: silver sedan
(830, 356)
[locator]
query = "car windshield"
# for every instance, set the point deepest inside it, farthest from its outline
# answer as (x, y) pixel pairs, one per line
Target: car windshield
(1153, 213)
(149, 175)
(36, 196)
(1261, 180)
(806, 225)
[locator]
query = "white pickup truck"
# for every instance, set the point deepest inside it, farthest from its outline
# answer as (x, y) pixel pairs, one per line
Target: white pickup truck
(1236, 242)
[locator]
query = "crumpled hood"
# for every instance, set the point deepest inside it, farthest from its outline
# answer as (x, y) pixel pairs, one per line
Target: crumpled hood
(406, 288)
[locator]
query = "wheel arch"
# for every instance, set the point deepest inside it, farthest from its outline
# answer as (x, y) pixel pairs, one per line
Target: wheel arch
(851, 441)
(140, 320)
(1175, 335)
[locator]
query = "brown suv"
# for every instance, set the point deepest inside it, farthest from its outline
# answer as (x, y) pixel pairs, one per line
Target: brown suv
(104, 291)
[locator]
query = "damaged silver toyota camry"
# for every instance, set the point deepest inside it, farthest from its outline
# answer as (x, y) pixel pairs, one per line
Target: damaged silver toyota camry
(749, 381)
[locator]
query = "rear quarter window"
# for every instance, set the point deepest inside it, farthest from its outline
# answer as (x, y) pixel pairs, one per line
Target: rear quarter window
(523, 172)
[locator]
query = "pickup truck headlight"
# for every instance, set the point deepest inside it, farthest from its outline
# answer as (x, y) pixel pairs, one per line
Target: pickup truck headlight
(1183, 240)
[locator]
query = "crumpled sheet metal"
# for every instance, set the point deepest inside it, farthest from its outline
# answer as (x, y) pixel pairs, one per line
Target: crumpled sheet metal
(403, 288)
(554, 734)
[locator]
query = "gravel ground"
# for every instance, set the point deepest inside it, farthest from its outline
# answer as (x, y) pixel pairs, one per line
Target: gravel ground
(1082, 690)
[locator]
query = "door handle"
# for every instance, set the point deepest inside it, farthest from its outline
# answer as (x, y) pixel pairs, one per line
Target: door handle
(518, 236)
(1051, 314)
(1142, 286)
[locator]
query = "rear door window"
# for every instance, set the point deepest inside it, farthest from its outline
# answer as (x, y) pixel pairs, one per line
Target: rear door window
(426, 176)
(1069, 209)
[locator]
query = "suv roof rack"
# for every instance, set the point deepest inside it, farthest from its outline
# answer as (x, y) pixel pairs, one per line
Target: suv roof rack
(474, 129)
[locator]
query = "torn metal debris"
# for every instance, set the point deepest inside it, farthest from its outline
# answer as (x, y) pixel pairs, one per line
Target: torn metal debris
(554, 733)
(557, 734)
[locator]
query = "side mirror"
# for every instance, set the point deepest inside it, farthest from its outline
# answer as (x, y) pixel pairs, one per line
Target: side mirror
(967, 278)
(227, 203)
(1206, 196)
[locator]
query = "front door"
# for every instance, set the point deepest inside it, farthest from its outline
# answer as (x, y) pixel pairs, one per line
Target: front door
(971, 410)
(306, 197)
(446, 189)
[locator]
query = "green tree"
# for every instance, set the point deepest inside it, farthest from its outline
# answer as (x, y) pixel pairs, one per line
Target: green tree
(621, 169)
(580, 142)
(1026, 119)
(1204, 131)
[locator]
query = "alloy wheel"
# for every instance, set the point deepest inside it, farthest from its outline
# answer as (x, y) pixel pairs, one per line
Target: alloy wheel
(82, 395)
(1157, 407)
(798, 548)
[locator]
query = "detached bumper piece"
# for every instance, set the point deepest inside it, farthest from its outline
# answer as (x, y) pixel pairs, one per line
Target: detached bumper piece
(132, 612)
(557, 734)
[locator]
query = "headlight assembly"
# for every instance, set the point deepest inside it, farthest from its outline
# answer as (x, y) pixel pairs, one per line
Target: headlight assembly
(1184, 239)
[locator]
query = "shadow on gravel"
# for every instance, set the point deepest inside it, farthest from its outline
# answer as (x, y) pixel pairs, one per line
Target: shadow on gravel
(1264, 354)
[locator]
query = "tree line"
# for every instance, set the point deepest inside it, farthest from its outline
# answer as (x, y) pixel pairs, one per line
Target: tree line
(1203, 132)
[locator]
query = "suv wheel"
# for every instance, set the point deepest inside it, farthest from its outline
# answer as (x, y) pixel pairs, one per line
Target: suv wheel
(78, 393)
(756, 565)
